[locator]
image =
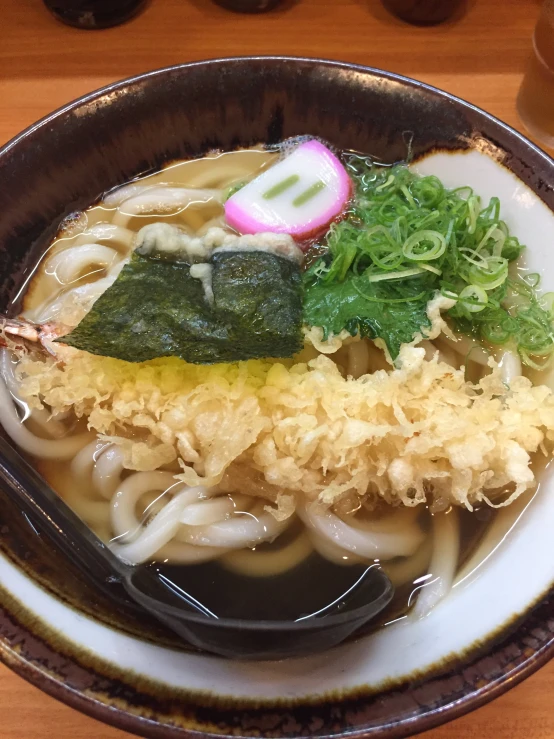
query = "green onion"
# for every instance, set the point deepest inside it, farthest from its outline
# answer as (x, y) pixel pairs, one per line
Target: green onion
(495, 334)
(474, 298)
(385, 184)
(408, 233)
(532, 279)
(486, 237)
(424, 245)
(395, 275)
(546, 302)
(373, 299)
(490, 276)
(474, 258)
(430, 268)
(449, 294)
(473, 203)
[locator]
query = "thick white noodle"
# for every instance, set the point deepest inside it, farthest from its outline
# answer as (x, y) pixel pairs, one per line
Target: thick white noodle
(115, 236)
(157, 537)
(220, 177)
(377, 359)
(52, 427)
(179, 553)
(332, 551)
(7, 369)
(470, 351)
(124, 519)
(163, 201)
(83, 462)
(82, 296)
(510, 366)
(241, 530)
(70, 264)
(106, 473)
(367, 543)
(117, 196)
(442, 568)
(397, 517)
(358, 359)
(256, 563)
(36, 446)
(115, 269)
(407, 569)
(207, 512)
(99, 464)
(159, 532)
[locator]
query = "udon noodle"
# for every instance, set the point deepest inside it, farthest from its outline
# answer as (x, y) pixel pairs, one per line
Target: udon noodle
(152, 514)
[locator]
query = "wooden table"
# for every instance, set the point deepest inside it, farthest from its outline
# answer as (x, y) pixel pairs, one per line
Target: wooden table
(479, 57)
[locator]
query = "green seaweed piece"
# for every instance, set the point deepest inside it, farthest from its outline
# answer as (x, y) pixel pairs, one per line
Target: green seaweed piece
(260, 296)
(156, 309)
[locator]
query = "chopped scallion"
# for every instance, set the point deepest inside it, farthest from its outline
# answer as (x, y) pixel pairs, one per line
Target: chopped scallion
(411, 236)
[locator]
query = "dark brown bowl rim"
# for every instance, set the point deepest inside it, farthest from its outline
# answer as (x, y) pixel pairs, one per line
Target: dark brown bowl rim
(146, 727)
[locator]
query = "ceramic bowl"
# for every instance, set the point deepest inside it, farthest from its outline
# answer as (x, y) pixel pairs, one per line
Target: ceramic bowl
(99, 654)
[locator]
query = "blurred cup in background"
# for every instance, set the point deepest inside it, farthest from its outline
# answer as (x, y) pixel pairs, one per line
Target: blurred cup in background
(93, 14)
(248, 6)
(424, 12)
(535, 101)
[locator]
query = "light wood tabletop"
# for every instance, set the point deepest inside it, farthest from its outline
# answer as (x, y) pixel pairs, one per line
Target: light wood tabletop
(479, 57)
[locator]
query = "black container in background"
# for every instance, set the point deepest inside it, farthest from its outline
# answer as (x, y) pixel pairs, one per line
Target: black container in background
(423, 12)
(248, 6)
(93, 14)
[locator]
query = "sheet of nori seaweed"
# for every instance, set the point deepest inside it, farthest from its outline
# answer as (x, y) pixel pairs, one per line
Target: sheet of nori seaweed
(259, 295)
(156, 309)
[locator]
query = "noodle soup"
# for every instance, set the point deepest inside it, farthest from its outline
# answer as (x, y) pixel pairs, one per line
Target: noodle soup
(390, 424)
